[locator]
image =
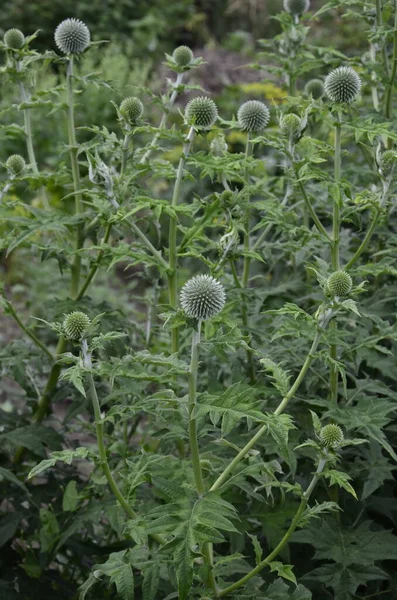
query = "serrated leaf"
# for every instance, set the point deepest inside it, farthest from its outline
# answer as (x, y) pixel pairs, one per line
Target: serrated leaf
(284, 571)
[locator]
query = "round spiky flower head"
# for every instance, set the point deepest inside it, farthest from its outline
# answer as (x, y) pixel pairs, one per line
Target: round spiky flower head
(15, 164)
(253, 116)
(315, 88)
(342, 85)
(218, 145)
(290, 126)
(331, 435)
(339, 283)
(75, 325)
(14, 39)
(202, 297)
(72, 36)
(183, 56)
(132, 109)
(388, 162)
(296, 7)
(201, 112)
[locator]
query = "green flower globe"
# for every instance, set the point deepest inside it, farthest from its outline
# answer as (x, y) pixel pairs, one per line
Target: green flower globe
(388, 162)
(202, 297)
(253, 116)
(14, 39)
(75, 325)
(72, 36)
(201, 112)
(218, 145)
(342, 85)
(296, 7)
(315, 89)
(290, 126)
(132, 110)
(15, 164)
(339, 284)
(331, 435)
(182, 56)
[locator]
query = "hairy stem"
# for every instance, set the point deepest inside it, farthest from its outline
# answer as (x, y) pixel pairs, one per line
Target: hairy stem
(310, 208)
(92, 272)
(294, 524)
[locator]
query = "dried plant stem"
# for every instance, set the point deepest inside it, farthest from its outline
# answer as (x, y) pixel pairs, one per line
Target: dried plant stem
(294, 524)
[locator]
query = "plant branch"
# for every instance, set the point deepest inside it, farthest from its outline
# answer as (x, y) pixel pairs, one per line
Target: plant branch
(29, 333)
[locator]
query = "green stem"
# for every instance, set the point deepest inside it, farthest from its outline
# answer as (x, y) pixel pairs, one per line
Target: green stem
(125, 153)
(281, 407)
(29, 333)
(76, 267)
(148, 244)
(366, 240)
(294, 524)
(173, 255)
(92, 272)
(379, 24)
(310, 208)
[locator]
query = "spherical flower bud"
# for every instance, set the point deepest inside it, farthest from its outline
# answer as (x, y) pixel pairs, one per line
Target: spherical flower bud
(339, 283)
(331, 435)
(253, 116)
(296, 7)
(15, 164)
(290, 126)
(132, 109)
(342, 85)
(183, 56)
(388, 162)
(315, 88)
(72, 36)
(218, 145)
(14, 39)
(75, 325)
(201, 112)
(202, 297)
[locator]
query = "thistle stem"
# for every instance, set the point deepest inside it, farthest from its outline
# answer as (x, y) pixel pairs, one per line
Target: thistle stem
(310, 208)
(92, 272)
(294, 524)
(76, 267)
(29, 333)
(173, 255)
(281, 407)
(390, 87)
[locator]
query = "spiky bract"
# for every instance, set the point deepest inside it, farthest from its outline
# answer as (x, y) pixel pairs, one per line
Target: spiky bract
(253, 116)
(15, 164)
(201, 112)
(331, 435)
(72, 36)
(182, 56)
(296, 7)
(315, 88)
(388, 162)
(290, 126)
(132, 109)
(75, 325)
(202, 297)
(342, 85)
(339, 283)
(14, 39)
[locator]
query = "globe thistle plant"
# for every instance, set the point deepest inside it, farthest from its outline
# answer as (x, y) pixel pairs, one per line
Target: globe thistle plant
(315, 89)
(202, 297)
(218, 145)
(14, 39)
(182, 56)
(388, 162)
(339, 284)
(342, 85)
(72, 36)
(296, 7)
(131, 109)
(290, 126)
(201, 112)
(75, 325)
(253, 116)
(15, 164)
(331, 436)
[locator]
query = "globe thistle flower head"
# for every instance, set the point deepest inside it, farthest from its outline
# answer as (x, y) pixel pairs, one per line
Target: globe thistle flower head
(15, 164)
(290, 126)
(72, 36)
(182, 56)
(132, 109)
(218, 145)
(342, 85)
(388, 162)
(201, 112)
(315, 89)
(202, 297)
(75, 325)
(296, 7)
(331, 435)
(339, 284)
(14, 39)
(253, 116)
